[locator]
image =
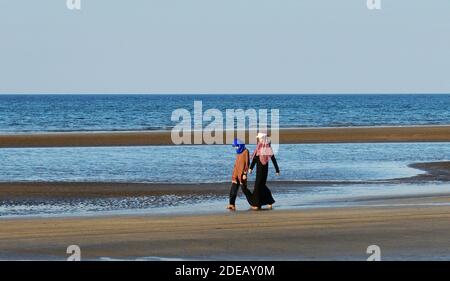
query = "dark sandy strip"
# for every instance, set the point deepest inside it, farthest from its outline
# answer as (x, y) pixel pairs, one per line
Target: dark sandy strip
(287, 136)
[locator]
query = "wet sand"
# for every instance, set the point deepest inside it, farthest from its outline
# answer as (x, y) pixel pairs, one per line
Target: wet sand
(412, 233)
(436, 171)
(83, 190)
(287, 136)
(48, 190)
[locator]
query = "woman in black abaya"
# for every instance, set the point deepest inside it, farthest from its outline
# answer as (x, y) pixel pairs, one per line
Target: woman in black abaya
(261, 194)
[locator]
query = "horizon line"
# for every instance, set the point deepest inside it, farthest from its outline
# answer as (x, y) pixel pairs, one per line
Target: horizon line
(220, 94)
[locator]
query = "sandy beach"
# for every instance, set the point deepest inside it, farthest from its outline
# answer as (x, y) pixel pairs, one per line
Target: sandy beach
(331, 234)
(287, 136)
(409, 227)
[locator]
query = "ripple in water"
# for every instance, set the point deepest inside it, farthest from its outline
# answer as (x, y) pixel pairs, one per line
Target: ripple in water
(79, 206)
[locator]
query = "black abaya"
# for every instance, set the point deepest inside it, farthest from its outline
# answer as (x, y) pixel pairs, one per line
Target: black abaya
(261, 194)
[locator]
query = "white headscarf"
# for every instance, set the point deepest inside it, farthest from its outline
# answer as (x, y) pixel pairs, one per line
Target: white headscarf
(263, 149)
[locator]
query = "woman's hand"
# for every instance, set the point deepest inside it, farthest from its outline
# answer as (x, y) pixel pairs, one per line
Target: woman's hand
(250, 171)
(244, 177)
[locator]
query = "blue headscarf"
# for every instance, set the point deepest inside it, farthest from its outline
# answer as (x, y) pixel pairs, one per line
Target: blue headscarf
(240, 146)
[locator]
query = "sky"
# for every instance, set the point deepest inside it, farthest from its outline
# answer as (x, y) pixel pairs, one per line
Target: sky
(224, 46)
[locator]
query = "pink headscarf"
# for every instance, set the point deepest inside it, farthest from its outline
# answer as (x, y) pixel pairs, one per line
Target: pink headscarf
(263, 149)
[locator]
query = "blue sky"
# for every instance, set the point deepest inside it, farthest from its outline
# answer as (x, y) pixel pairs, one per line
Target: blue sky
(224, 46)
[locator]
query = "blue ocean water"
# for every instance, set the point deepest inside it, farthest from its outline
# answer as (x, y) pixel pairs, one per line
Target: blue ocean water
(33, 113)
(200, 164)
(197, 164)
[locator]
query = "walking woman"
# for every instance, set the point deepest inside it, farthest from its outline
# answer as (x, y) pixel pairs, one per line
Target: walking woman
(240, 169)
(261, 194)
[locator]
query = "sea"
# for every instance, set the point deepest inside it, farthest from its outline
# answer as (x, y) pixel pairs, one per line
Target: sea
(350, 163)
(69, 113)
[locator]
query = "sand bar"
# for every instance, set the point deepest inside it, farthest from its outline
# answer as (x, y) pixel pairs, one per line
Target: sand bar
(287, 136)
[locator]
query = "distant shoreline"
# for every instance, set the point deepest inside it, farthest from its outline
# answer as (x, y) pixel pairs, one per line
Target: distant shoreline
(434, 133)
